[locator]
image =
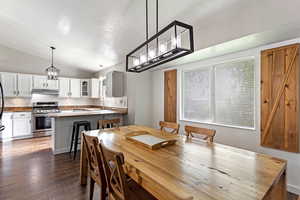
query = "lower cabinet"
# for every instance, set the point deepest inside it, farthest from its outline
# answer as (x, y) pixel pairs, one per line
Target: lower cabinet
(7, 133)
(21, 124)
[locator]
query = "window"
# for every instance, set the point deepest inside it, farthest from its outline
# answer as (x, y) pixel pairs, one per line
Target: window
(220, 94)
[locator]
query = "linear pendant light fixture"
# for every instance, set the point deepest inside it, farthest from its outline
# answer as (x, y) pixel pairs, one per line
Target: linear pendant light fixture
(173, 41)
(52, 72)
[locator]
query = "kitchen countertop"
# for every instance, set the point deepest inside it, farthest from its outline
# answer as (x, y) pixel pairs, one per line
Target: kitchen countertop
(74, 113)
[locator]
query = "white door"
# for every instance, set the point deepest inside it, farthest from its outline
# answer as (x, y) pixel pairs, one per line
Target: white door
(75, 88)
(9, 83)
(24, 85)
(7, 122)
(64, 87)
(52, 84)
(39, 82)
(21, 124)
(95, 88)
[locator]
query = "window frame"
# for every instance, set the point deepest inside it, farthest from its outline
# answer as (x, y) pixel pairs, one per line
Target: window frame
(212, 105)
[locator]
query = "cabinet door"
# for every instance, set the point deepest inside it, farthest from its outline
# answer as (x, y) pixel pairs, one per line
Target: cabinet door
(22, 125)
(85, 88)
(24, 85)
(95, 88)
(64, 87)
(39, 82)
(9, 83)
(7, 122)
(75, 88)
(52, 84)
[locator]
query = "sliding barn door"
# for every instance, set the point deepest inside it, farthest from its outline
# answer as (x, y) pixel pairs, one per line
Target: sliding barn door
(280, 98)
(170, 96)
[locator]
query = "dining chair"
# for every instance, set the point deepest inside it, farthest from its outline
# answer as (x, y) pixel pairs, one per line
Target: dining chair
(169, 125)
(120, 186)
(208, 134)
(108, 123)
(96, 170)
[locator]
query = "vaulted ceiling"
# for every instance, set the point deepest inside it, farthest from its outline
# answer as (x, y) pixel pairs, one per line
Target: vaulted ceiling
(90, 33)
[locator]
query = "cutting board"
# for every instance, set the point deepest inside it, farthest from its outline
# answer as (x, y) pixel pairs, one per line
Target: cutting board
(150, 141)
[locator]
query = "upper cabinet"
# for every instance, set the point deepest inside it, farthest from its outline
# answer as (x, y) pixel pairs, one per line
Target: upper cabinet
(41, 82)
(64, 87)
(9, 84)
(95, 88)
(75, 87)
(114, 83)
(69, 87)
(85, 87)
(24, 85)
(16, 84)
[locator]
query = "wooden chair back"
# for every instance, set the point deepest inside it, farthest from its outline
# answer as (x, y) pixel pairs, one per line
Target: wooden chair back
(208, 134)
(170, 125)
(96, 169)
(115, 176)
(109, 123)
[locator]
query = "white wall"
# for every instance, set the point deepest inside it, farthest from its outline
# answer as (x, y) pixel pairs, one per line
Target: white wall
(246, 139)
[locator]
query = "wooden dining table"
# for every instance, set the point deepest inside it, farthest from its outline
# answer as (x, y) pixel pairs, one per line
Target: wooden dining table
(193, 169)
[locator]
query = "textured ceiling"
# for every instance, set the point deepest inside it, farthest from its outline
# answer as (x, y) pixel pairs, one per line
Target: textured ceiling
(90, 33)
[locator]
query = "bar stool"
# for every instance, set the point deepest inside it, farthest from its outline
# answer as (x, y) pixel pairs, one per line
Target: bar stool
(76, 134)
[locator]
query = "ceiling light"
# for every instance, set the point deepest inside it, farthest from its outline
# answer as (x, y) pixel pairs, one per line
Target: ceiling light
(52, 72)
(64, 25)
(171, 48)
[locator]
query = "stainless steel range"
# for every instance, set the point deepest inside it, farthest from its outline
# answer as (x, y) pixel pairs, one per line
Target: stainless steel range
(42, 124)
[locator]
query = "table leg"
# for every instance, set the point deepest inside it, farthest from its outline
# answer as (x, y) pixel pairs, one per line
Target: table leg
(278, 191)
(83, 163)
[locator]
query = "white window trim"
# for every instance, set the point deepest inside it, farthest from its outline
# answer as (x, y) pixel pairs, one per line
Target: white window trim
(212, 66)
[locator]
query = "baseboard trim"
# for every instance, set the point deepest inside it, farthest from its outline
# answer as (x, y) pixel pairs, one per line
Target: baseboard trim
(63, 150)
(293, 189)
(59, 151)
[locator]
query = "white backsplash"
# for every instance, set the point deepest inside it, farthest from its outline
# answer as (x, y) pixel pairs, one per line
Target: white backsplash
(24, 102)
(119, 102)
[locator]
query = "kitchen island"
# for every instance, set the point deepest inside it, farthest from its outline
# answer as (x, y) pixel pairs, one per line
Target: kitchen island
(63, 125)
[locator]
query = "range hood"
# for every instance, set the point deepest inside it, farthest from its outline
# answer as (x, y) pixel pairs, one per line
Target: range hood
(45, 92)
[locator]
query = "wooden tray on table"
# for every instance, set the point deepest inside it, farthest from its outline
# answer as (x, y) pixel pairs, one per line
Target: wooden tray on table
(148, 140)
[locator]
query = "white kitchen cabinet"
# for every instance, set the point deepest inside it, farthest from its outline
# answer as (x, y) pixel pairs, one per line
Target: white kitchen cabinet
(9, 83)
(24, 85)
(84, 87)
(95, 88)
(69, 87)
(41, 82)
(64, 87)
(21, 124)
(52, 84)
(16, 84)
(75, 88)
(7, 133)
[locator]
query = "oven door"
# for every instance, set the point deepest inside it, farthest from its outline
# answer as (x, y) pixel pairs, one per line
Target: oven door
(42, 125)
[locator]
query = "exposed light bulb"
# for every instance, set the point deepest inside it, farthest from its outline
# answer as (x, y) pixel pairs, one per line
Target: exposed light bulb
(136, 62)
(162, 48)
(176, 41)
(143, 58)
(151, 54)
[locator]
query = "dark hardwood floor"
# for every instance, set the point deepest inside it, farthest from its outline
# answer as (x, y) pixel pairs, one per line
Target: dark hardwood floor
(28, 170)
